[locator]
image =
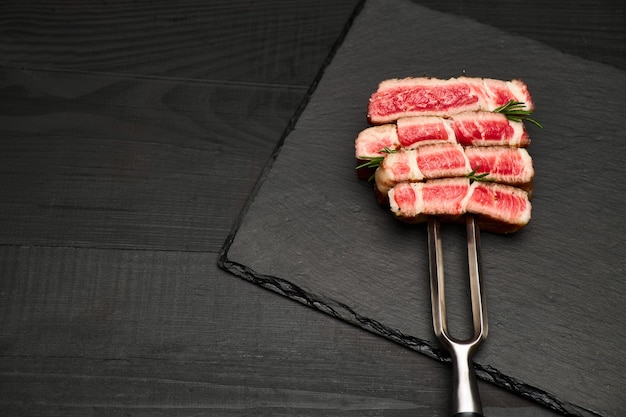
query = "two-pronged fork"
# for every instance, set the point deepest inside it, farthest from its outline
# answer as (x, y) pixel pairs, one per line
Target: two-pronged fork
(465, 399)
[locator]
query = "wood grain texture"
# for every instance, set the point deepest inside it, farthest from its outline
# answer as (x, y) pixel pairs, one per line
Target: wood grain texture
(120, 119)
(104, 161)
(117, 332)
(277, 41)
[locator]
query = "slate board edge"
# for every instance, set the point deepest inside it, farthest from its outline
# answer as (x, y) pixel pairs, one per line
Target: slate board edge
(223, 258)
(344, 312)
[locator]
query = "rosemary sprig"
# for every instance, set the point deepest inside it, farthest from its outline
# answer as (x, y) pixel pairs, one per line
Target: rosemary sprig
(473, 176)
(375, 161)
(371, 162)
(514, 110)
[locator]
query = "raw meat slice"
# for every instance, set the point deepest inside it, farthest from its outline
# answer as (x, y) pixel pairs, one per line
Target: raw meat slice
(499, 208)
(396, 98)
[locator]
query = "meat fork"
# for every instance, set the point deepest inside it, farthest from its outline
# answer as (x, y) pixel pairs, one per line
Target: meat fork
(465, 398)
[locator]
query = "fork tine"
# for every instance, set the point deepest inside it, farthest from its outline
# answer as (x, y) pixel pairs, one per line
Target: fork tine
(479, 311)
(437, 280)
(465, 400)
(437, 287)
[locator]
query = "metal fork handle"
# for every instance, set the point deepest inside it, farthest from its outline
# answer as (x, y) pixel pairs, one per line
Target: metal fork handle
(465, 396)
(466, 399)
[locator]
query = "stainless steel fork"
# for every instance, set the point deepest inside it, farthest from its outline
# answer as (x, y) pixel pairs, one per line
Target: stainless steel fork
(465, 398)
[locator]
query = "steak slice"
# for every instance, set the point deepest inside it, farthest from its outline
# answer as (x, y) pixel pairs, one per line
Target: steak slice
(467, 129)
(488, 129)
(371, 141)
(424, 163)
(423, 130)
(414, 202)
(499, 208)
(397, 98)
(512, 166)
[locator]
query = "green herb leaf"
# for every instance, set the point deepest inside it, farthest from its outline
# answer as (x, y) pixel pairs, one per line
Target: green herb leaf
(373, 162)
(514, 110)
(483, 176)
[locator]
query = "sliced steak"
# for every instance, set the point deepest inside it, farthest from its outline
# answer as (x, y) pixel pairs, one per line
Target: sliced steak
(467, 129)
(512, 166)
(397, 98)
(499, 208)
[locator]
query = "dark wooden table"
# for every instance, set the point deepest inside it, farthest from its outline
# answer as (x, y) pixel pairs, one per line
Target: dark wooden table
(131, 134)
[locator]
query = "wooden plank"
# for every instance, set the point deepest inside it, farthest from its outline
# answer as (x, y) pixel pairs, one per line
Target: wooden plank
(86, 331)
(99, 160)
(155, 137)
(276, 41)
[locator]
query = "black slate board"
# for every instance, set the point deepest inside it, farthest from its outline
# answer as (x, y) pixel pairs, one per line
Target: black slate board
(555, 290)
